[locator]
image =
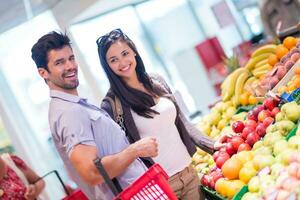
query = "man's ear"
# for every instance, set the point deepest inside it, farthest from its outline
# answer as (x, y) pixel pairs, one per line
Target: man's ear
(43, 73)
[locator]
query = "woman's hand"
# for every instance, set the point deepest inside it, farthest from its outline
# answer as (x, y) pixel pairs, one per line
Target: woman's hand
(31, 192)
(220, 142)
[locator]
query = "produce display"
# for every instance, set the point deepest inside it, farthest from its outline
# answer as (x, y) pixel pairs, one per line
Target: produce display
(258, 120)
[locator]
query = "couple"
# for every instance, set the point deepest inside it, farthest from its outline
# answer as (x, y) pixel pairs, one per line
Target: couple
(150, 127)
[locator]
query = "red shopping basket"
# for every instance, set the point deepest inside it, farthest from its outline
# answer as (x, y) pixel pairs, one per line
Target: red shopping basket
(75, 195)
(152, 185)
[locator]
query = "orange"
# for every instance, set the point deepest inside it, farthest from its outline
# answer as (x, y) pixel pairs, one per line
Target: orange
(289, 42)
(231, 168)
(282, 89)
(272, 60)
(297, 82)
(297, 70)
(281, 51)
(244, 99)
(221, 186)
(252, 100)
(291, 87)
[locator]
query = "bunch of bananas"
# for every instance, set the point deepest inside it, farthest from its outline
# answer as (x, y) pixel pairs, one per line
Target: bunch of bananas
(258, 63)
(241, 79)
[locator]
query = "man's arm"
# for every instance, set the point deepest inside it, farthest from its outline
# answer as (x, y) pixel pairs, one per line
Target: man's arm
(82, 157)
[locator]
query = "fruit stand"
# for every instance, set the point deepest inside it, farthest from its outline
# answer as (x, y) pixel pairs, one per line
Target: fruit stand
(257, 122)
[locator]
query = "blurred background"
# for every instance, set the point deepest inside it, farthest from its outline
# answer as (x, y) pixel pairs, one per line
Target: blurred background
(186, 41)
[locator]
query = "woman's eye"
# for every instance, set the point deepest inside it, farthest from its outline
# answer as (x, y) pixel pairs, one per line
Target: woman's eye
(125, 53)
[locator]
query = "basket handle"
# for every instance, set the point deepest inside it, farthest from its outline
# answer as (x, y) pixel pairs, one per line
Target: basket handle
(104, 174)
(59, 178)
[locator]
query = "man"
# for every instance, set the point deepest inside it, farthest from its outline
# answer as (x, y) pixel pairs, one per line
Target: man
(81, 131)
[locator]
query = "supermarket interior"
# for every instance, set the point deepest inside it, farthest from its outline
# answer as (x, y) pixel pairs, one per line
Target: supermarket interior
(232, 66)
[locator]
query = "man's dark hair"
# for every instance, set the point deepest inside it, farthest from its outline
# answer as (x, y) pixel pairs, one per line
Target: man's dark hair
(51, 41)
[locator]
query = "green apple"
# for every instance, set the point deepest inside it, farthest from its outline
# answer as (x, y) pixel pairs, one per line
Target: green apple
(291, 110)
(294, 142)
(263, 150)
(254, 184)
(284, 157)
(271, 128)
(257, 145)
(280, 116)
(276, 168)
(262, 161)
(250, 196)
(285, 126)
(280, 146)
(272, 137)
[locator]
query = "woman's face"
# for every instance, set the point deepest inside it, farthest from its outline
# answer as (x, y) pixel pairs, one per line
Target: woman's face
(121, 59)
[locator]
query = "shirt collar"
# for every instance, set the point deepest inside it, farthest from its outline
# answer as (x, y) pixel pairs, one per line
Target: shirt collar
(66, 96)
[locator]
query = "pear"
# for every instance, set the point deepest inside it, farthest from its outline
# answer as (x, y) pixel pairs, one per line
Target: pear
(271, 138)
(294, 142)
(279, 146)
(280, 116)
(291, 110)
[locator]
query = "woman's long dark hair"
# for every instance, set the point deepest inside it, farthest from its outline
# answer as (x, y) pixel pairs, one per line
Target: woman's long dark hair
(140, 102)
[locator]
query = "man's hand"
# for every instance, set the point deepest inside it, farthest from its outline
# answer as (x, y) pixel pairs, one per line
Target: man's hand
(146, 147)
(30, 192)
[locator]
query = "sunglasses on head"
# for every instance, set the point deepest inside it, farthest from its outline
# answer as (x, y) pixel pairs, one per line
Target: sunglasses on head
(114, 34)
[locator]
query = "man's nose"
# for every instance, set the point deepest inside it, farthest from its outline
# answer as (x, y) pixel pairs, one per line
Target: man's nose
(70, 65)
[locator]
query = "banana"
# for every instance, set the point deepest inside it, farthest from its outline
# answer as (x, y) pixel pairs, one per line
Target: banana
(249, 81)
(269, 48)
(262, 68)
(260, 63)
(229, 87)
(258, 74)
(239, 86)
(253, 61)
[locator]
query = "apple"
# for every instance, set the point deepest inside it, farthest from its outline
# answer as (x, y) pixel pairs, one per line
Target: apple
(275, 111)
(244, 147)
(251, 123)
(246, 132)
(263, 114)
(252, 138)
(236, 141)
(257, 109)
(229, 149)
(270, 103)
(222, 159)
(205, 180)
(216, 155)
(238, 126)
(268, 121)
(251, 115)
(261, 129)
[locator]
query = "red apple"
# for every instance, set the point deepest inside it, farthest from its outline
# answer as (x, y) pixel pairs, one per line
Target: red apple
(252, 138)
(275, 111)
(246, 132)
(251, 115)
(205, 180)
(222, 159)
(257, 109)
(261, 129)
(244, 147)
(236, 141)
(238, 126)
(268, 121)
(263, 114)
(229, 149)
(250, 123)
(216, 155)
(270, 103)
(216, 175)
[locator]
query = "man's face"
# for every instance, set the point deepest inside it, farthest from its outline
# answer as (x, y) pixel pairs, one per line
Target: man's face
(62, 74)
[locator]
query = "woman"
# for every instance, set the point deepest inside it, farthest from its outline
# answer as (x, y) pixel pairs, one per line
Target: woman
(17, 180)
(145, 107)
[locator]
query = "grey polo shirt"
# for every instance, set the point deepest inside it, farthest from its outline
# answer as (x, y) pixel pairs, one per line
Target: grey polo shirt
(75, 121)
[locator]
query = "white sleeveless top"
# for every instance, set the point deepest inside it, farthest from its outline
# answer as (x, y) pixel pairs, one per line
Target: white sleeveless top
(172, 153)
